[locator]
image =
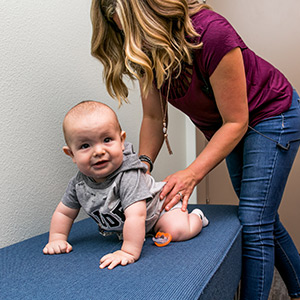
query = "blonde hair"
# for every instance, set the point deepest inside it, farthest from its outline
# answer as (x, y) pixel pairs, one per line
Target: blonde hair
(154, 37)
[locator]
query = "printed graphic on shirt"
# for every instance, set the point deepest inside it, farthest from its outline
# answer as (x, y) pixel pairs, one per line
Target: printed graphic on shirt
(112, 220)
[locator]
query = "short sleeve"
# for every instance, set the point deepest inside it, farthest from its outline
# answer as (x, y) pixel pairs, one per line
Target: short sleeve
(133, 188)
(70, 198)
(218, 38)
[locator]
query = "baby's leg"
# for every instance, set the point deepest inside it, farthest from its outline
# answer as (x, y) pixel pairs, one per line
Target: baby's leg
(181, 225)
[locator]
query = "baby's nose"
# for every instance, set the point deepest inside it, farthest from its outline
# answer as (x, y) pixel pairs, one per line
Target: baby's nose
(98, 150)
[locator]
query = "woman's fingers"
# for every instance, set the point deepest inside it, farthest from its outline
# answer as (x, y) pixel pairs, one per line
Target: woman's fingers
(179, 187)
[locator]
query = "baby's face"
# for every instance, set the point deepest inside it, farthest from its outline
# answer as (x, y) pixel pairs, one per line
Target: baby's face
(96, 144)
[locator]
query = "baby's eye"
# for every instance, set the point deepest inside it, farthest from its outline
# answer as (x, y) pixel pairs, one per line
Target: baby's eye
(84, 146)
(107, 140)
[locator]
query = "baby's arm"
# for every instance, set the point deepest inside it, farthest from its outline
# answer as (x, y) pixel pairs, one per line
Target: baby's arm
(60, 227)
(133, 238)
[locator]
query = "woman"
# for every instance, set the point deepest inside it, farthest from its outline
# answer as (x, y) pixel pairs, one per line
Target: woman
(184, 53)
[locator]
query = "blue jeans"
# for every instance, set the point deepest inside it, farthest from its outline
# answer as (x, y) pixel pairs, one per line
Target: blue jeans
(259, 167)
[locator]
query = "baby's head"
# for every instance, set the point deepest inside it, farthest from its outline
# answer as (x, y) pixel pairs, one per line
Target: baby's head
(94, 138)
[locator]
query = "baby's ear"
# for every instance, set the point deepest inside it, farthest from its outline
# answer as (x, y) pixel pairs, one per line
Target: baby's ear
(123, 138)
(68, 151)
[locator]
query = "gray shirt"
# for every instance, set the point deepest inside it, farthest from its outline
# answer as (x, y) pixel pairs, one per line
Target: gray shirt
(105, 202)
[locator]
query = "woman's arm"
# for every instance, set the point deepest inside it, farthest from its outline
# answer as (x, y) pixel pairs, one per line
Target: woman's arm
(151, 134)
(229, 85)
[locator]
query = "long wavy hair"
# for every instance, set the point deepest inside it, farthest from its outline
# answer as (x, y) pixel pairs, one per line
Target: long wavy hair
(156, 36)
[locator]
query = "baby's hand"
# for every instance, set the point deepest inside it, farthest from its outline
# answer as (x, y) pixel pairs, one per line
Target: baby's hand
(57, 247)
(119, 257)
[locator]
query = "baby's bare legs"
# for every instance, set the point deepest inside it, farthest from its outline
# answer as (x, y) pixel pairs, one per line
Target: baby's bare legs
(181, 225)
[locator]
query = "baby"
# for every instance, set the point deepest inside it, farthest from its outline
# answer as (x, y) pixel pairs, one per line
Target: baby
(114, 188)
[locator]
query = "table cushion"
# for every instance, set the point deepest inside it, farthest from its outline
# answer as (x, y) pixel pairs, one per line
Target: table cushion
(206, 267)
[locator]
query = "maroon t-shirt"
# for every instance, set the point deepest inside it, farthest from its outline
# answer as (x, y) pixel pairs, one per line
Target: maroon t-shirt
(269, 92)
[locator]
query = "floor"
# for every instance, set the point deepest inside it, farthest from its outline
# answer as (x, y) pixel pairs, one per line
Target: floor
(278, 291)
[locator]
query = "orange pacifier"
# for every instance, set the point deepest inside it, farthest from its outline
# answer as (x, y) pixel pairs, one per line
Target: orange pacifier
(162, 239)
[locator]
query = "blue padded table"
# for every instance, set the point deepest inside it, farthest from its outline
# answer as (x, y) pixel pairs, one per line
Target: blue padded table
(207, 267)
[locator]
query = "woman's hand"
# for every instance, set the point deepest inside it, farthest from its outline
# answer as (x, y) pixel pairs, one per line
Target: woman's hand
(179, 186)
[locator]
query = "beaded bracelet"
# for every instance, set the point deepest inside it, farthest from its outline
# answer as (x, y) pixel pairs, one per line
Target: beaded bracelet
(148, 160)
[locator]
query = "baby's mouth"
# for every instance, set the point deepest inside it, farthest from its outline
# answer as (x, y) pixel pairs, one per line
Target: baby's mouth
(100, 163)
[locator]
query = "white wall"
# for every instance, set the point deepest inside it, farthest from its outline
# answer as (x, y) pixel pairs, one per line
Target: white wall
(46, 68)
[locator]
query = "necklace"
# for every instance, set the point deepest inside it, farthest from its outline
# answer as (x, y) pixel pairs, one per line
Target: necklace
(164, 110)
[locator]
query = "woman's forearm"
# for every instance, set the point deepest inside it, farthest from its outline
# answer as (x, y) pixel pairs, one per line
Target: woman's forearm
(151, 137)
(151, 132)
(221, 145)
